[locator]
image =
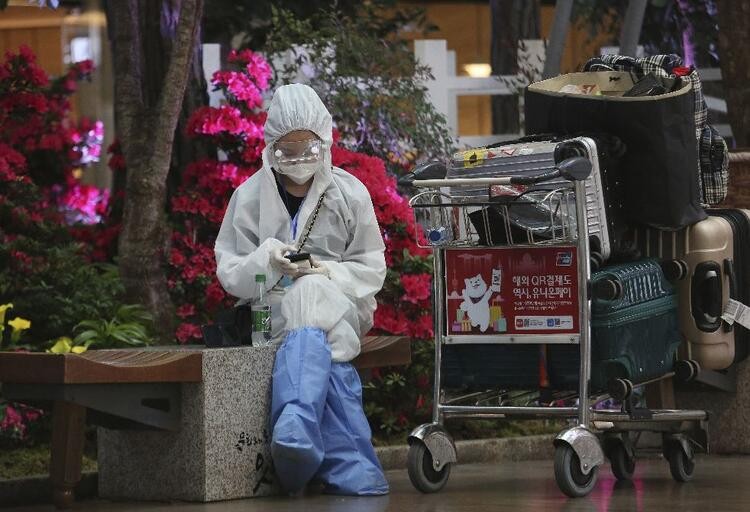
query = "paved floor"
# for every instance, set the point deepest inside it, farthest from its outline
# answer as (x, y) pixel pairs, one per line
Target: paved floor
(720, 484)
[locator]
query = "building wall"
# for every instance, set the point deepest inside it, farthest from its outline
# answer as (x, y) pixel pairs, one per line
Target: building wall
(40, 29)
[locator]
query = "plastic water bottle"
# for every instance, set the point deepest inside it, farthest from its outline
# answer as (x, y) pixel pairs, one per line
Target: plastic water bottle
(261, 314)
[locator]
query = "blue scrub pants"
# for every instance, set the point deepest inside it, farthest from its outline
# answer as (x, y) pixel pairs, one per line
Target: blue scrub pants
(319, 427)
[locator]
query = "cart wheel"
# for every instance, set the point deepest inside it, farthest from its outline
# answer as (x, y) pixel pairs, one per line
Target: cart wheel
(421, 472)
(570, 479)
(680, 465)
(623, 465)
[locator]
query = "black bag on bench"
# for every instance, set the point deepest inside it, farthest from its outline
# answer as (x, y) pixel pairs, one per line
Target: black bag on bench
(232, 327)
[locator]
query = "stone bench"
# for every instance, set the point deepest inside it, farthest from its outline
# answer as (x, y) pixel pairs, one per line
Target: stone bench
(178, 423)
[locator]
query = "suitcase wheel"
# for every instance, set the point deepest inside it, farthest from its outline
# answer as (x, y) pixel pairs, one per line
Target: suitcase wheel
(597, 260)
(620, 389)
(686, 370)
(674, 270)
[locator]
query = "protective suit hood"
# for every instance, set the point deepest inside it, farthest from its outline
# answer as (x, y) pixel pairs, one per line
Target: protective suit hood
(298, 107)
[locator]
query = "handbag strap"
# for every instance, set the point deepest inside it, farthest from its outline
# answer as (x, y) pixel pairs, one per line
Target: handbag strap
(311, 222)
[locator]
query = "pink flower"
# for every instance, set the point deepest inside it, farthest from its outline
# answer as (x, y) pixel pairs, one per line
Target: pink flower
(176, 258)
(187, 331)
(422, 328)
(255, 66)
(390, 320)
(239, 85)
(186, 310)
(215, 294)
(13, 422)
(214, 121)
(84, 203)
(417, 287)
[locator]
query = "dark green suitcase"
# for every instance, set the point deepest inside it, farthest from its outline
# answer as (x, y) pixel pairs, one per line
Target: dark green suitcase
(634, 336)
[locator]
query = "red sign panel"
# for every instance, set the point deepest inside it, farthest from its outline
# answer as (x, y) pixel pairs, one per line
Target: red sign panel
(517, 290)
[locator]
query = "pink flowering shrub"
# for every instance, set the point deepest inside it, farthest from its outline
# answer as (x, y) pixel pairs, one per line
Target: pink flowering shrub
(17, 421)
(44, 205)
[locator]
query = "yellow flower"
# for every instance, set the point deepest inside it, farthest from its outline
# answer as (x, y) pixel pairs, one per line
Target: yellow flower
(19, 324)
(3, 309)
(62, 346)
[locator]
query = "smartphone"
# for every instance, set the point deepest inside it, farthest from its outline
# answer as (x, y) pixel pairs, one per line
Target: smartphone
(301, 258)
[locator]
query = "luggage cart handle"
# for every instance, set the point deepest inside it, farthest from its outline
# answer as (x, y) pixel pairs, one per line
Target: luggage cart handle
(576, 168)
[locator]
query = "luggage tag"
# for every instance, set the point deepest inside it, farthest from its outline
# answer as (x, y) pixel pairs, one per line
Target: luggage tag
(736, 311)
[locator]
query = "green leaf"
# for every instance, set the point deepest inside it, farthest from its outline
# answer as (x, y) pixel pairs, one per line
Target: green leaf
(85, 336)
(95, 325)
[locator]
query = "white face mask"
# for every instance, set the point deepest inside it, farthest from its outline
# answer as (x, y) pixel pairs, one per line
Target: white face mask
(298, 172)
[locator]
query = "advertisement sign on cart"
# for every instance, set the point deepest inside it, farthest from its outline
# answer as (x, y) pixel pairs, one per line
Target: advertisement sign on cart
(519, 290)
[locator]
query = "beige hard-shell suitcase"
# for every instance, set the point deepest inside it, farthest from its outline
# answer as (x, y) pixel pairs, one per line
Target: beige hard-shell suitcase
(715, 256)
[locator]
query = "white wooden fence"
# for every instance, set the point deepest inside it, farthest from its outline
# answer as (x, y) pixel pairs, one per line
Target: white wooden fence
(446, 86)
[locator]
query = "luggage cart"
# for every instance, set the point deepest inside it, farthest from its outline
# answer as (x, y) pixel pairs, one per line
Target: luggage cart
(537, 248)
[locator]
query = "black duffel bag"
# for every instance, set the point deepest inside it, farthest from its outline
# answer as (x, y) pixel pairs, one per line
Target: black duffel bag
(660, 166)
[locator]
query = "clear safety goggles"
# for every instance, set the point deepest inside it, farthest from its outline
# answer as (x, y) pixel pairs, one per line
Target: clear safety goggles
(302, 151)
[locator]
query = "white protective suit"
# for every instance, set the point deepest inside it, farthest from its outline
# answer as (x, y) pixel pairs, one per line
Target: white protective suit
(345, 237)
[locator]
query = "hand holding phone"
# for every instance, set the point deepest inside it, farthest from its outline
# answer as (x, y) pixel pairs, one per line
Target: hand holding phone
(303, 260)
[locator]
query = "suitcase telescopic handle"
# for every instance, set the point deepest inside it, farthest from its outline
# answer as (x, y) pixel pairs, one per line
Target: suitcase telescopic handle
(732, 276)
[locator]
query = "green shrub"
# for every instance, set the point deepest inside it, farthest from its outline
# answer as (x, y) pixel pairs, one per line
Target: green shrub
(127, 327)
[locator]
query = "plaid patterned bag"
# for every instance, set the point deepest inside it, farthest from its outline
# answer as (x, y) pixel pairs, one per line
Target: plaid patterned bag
(713, 158)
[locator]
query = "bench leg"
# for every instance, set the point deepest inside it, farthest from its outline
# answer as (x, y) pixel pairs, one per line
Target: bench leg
(68, 423)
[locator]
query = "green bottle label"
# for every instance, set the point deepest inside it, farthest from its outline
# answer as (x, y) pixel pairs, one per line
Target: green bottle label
(261, 320)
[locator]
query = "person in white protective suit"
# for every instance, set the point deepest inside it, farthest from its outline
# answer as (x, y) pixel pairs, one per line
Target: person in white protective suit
(319, 430)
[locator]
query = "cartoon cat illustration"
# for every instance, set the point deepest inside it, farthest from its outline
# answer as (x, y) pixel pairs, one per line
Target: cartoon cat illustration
(476, 302)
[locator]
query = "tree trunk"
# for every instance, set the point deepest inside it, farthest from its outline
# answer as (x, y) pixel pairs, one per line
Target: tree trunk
(734, 20)
(186, 150)
(148, 101)
(512, 20)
